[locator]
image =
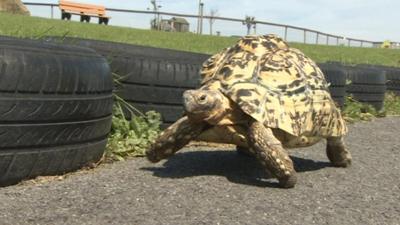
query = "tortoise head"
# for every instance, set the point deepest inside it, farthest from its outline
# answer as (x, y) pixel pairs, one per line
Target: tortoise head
(205, 105)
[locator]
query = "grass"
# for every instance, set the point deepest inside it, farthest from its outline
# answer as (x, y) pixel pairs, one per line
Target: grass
(392, 104)
(35, 27)
(354, 111)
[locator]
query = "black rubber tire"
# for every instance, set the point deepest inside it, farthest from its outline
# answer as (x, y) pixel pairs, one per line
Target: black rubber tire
(153, 78)
(55, 108)
(393, 79)
(368, 84)
(156, 84)
(4, 37)
(335, 75)
(392, 76)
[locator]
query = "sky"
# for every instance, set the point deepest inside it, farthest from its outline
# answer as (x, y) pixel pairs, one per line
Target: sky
(374, 20)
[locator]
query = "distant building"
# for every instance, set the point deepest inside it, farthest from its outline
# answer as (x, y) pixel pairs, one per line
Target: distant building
(175, 24)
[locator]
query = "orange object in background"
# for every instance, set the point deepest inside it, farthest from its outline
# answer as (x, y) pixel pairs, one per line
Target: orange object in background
(84, 10)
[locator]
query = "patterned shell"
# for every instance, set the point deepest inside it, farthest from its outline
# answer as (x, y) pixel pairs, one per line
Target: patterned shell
(276, 85)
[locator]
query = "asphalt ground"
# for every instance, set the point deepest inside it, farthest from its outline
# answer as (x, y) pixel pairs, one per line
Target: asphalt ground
(215, 185)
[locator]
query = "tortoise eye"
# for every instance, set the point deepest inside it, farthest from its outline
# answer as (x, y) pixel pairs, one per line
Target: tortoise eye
(203, 98)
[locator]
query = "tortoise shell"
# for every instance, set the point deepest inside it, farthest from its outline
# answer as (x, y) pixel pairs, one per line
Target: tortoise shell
(276, 85)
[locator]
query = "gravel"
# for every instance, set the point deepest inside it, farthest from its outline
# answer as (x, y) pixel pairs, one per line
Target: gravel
(217, 186)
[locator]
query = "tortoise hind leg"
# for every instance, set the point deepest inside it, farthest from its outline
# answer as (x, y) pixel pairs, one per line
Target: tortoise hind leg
(337, 152)
(270, 152)
(174, 138)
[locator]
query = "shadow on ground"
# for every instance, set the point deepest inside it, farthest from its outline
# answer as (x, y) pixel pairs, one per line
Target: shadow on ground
(235, 167)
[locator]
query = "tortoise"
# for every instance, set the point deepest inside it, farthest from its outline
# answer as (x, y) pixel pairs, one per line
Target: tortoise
(263, 96)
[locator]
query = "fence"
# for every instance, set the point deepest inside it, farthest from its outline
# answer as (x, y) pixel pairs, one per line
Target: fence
(303, 35)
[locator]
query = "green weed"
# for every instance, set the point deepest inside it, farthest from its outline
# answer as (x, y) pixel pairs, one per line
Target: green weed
(392, 104)
(131, 137)
(357, 111)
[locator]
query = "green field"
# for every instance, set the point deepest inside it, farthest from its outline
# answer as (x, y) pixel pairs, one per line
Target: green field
(34, 27)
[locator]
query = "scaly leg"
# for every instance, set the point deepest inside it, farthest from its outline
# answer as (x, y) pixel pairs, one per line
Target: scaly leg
(271, 154)
(174, 138)
(337, 152)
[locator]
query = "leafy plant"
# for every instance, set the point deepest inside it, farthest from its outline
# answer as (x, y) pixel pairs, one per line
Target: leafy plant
(130, 137)
(355, 111)
(392, 104)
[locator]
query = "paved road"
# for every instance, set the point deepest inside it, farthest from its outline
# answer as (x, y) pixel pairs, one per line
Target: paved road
(217, 186)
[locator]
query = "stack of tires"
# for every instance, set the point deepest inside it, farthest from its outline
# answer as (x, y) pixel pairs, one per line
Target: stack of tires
(151, 78)
(393, 79)
(367, 84)
(55, 108)
(335, 75)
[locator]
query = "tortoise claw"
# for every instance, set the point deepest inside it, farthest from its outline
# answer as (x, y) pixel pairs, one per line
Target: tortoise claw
(288, 181)
(151, 155)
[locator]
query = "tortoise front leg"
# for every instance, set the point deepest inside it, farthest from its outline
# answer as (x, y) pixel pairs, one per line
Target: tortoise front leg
(174, 138)
(272, 155)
